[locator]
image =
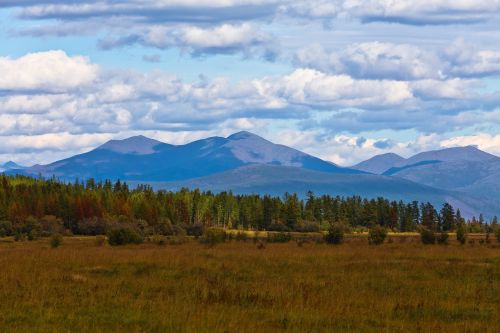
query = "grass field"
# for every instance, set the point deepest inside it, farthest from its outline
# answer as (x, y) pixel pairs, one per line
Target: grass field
(401, 286)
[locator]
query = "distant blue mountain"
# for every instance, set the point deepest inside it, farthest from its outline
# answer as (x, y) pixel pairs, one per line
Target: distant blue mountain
(276, 180)
(393, 170)
(144, 159)
(390, 163)
(465, 169)
(246, 163)
(10, 166)
(379, 163)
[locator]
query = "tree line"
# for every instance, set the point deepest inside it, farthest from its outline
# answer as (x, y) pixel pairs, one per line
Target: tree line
(35, 205)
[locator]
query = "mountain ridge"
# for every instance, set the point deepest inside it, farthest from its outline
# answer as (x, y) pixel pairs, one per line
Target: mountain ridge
(141, 158)
(244, 161)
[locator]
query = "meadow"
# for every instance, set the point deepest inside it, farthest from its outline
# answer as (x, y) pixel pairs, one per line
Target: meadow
(399, 286)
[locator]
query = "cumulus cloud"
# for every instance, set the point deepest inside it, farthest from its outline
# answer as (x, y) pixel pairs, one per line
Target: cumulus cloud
(152, 11)
(102, 102)
(483, 141)
(422, 12)
(314, 88)
(377, 60)
(197, 27)
(52, 71)
(120, 99)
(243, 38)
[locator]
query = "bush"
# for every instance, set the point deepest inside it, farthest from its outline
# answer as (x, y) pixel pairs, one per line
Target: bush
(158, 239)
(241, 236)
(307, 226)
(461, 235)
(100, 240)
(29, 227)
(427, 236)
(196, 229)
(442, 238)
(278, 227)
(94, 226)
(33, 234)
(335, 234)
(19, 237)
(497, 234)
(123, 236)
(280, 237)
(6, 229)
(213, 236)
(377, 235)
(176, 240)
(55, 241)
(51, 225)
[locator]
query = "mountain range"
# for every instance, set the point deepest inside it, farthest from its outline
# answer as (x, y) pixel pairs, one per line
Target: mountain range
(466, 177)
(10, 166)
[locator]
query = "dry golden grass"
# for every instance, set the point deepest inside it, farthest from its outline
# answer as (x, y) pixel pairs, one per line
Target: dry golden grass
(236, 287)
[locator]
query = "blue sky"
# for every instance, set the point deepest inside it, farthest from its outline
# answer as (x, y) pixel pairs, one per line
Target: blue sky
(343, 80)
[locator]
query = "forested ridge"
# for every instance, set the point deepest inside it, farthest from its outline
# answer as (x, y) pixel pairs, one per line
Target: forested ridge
(91, 208)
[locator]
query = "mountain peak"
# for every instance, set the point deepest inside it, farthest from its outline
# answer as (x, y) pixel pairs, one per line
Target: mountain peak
(452, 154)
(11, 165)
(137, 145)
(243, 135)
(379, 163)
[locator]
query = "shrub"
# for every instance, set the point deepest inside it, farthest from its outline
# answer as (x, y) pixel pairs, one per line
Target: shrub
(164, 228)
(158, 239)
(497, 234)
(94, 226)
(6, 228)
(123, 236)
(55, 240)
(427, 236)
(19, 237)
(307, 226)
(278, 227)
(335, 234)
(461, 235)
(241, 236)
(280, 237)
(29, 227)
(51, 225)
(176, 240)
(261, 245)
(33, 234)
(442, 238)
(100, 240)
(301, 241)
(377, 235)
(213, 236)
(196, 229)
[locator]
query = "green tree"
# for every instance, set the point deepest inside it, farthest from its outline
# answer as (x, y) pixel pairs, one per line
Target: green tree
(461, 233)
(447, 218)
(377, 235)
(335, 234)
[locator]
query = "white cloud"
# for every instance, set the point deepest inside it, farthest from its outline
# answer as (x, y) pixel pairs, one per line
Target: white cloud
(422, 12)
(306, 86)
(373, 60)
(52, 71)
(483, 141)
(124, 101)
(222, 36)
(377, 60)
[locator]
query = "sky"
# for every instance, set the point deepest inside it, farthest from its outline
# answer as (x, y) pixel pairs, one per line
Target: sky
(342, 80)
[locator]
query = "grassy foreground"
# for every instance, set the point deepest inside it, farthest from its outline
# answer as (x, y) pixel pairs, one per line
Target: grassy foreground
(235, 287)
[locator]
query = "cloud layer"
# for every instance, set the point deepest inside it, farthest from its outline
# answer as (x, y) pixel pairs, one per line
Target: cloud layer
(337, 78)
(58, 93)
